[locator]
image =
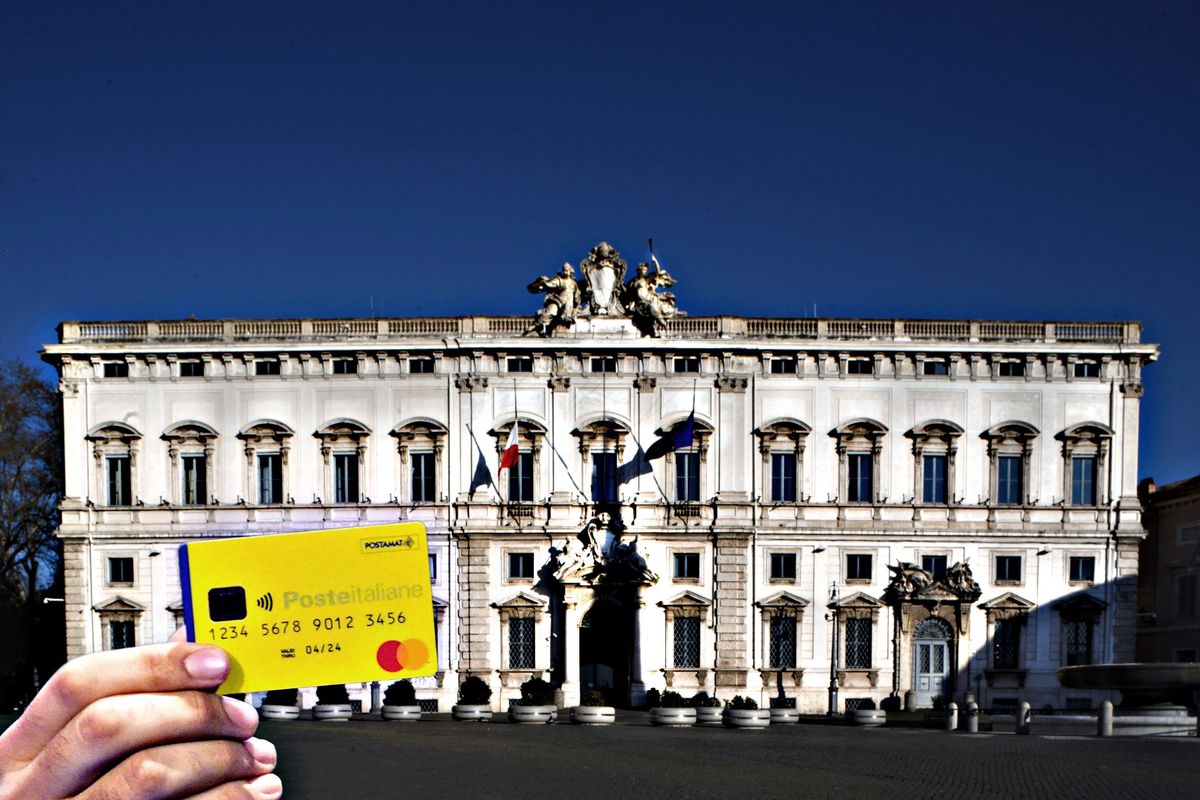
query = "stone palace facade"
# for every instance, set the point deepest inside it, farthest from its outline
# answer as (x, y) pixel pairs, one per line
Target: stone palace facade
(908, 508)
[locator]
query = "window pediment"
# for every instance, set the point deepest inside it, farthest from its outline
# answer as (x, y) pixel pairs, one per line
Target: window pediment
(1081, 606)
(1012, 430)
(265, 430)
(861, 428)
(685, 600)
(530, 432)
(189, 431)
(1007, 606)
(936, 429)
(113, 432)
(783, 601)
(1085, 431)
(419, 426)
(342, 429)
(857, 600)
(602, 433)
(119, 605)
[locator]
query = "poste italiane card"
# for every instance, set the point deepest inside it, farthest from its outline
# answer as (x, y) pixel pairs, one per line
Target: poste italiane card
(306, 609)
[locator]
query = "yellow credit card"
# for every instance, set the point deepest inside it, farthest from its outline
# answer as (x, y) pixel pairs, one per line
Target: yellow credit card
(308, 609)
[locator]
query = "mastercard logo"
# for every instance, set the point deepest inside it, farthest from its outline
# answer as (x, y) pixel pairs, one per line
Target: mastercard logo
(394, 656)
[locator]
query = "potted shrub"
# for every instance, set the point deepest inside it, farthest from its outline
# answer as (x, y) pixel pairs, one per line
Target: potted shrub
(744, 713)
(333, 704)
(592, 710)
(783, 711)
(474, 700)
(281, 704)
(653, 699)
(400, 702)
(867, 714)
(536, 704)
(708, 709)
(673, 711)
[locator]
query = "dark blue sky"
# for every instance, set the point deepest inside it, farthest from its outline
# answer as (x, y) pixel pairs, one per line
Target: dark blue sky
(1029, 161)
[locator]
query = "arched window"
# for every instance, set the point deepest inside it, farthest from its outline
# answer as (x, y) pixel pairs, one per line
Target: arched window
(191, 447)
(859, 450)
(687, 467)
(1010, 451)
(1085, 463)
(344, 457)
(523, 478)
(115, 450)
(781, 444)
(420, 443)
(935, 446)
(266, 444)
(602, 450)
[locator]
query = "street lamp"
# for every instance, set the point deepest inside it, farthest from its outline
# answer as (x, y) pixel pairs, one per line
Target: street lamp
(834, 617)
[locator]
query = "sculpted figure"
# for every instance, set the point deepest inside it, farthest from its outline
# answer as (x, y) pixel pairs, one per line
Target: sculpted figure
(561, 303)
(960, 580)
(573, 558)
(908, 578)
(604, 270)
(650, 308)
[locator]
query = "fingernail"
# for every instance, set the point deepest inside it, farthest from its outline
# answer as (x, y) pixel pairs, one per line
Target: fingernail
(209, 664)
(268, 786)
(241, 714)
(262, 751)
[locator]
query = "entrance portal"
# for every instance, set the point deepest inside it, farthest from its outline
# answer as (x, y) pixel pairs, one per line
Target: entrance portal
(606, 641)
(931, 659)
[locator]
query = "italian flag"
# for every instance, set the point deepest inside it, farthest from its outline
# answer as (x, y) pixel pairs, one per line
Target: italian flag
(509, 456)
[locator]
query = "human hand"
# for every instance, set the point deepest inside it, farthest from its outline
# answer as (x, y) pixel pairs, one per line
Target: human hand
(138, 724)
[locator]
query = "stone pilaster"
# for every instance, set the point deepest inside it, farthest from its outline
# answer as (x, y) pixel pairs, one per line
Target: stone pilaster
(474, 613)
(731, 600)
(1124, 608)
(75, 590)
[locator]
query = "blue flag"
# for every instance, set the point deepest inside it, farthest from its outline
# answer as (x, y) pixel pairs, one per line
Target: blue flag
(677, 438)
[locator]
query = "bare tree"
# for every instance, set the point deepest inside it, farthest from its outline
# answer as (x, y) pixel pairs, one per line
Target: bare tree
(30, 482)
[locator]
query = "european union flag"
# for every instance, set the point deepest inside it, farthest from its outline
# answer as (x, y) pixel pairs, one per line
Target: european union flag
(678, 437)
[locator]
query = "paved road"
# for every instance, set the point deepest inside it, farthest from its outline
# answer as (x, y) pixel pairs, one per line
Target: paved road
(437, 758)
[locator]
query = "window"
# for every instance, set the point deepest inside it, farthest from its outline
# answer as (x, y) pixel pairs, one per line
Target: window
(935, 566)
(688, 364)
(345, 366)
(520, 566)
(1083, 481)
(859, 366)
(935, 368)
(783, 642)
(120, 634)
(858, 567)
(1087, 369)
(1008, 569)
(432, 567)
(520, 479)
(1009, 480)
(191, 368)
(858, 643)
(1006, 640)
(1011, 369)
(116, 369)
(270, 479)
(420, 366)
(424, 485)
(1083, 569)
(859, 466)
(1079, 641)
(120, 490)
(1185, 596)
(687, 477)
(120, 571)
(604, 364)
(520, 642)
(687, 566)
(783, 366)
(345, 478)
(195, 480)
(933, 479)
(687, 642)
(520, 364)
(604, 477)
(783, 477)
(783, 566)
(266, 367)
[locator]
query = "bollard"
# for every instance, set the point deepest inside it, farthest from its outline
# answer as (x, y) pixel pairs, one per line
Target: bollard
(972, 717)
(1105, 720)
(1024, 718)
(952, 716)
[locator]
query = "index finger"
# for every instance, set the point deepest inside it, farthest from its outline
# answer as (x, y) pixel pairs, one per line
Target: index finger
(154, 668)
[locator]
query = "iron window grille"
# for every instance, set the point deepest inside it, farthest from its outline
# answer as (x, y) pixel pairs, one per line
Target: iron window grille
(520, 643)
(783, 642)
(120, 634)
(858, 643)
(1006, 644)
(1079, 642)
(687, 642)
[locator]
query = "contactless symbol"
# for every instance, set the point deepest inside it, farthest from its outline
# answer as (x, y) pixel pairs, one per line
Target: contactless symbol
(395, 656)
(266, 602)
